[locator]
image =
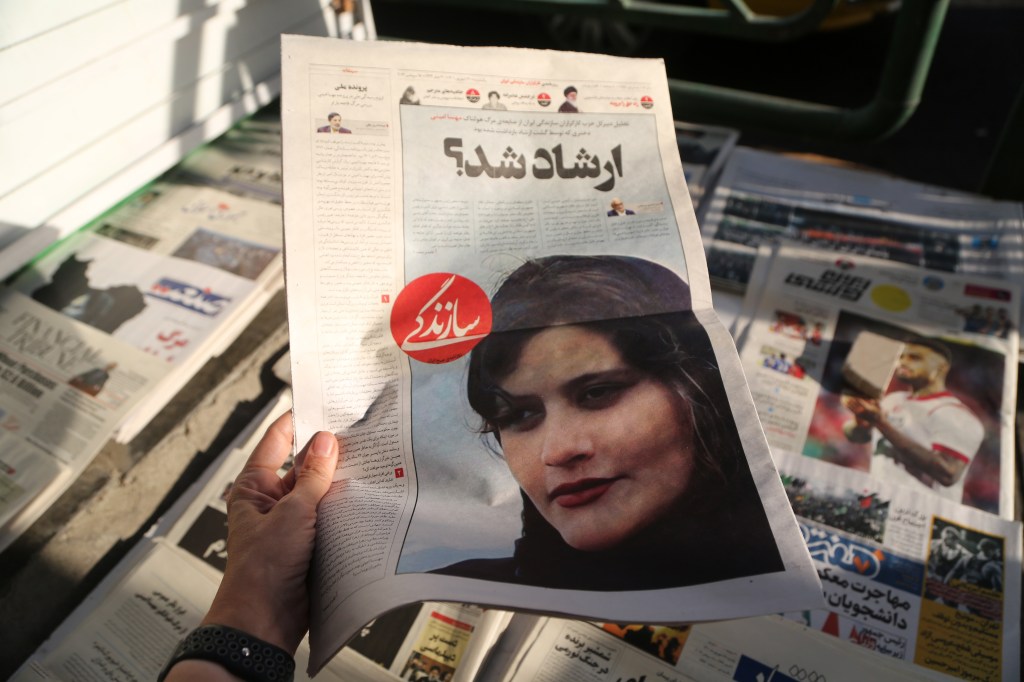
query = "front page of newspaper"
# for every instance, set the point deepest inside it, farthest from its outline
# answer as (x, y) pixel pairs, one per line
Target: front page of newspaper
(63, 388)
(165, 270)
(908, 575)
(499, 302)
(908, 373)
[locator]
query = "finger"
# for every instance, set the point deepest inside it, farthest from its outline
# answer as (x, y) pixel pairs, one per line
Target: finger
(275, 446)
(288, 480)
(318, 467)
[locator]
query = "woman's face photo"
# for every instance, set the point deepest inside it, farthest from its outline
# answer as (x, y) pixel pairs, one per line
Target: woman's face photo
(601, 448)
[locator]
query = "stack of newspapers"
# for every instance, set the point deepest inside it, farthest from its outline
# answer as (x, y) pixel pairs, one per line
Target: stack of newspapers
(470, 256)
(879, 335)
(104, 327)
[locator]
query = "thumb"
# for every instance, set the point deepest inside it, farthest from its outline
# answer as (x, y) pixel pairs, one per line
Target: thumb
(317, 472)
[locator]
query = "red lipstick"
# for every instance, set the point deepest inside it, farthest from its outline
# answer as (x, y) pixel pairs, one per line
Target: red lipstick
(579, 493)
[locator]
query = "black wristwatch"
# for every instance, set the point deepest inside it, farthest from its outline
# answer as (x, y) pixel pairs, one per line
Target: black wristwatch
(238, 652)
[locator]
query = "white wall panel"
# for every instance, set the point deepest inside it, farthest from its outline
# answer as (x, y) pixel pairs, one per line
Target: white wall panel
(55, 122)
(64, 49)
(63, 138)
(26, 19)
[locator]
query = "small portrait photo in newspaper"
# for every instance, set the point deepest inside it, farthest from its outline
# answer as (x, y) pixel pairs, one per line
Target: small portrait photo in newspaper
(965, 569)
(600, 392)
(333, 125)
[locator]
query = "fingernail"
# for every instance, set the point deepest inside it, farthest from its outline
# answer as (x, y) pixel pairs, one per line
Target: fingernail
(321, 446)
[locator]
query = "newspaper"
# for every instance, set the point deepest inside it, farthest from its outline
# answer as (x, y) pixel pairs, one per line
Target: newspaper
(908, 575)
(420, 637)
(929, 588)
(749, 650)
(102, 329)
(416, 179)
(703, 150)
(127, 628)
(63, 389)
(245, 161)
(131, 633)
(767, 199)
(131, 622)
(954, 401)
(175, 271)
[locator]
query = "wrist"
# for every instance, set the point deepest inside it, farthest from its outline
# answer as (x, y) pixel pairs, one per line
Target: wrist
(254, 619)
(240, 603)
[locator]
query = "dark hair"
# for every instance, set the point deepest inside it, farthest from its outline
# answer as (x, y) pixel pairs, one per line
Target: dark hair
(950, 531)
(493, 92)
(571, 88)
(641, 307)
(672, 649)
(644, 310)
(332, 115)
(989, 545)
(935, 345)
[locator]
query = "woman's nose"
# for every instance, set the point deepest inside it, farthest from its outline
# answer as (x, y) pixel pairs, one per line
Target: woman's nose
(566, 441)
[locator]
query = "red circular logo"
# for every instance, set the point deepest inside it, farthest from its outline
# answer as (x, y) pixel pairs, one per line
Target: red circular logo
(473, 95)
(439, 317)
(646, 102)
(544, 99)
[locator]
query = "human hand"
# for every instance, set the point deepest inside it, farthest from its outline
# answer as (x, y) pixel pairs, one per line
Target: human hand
(271, 534)
(866, 411)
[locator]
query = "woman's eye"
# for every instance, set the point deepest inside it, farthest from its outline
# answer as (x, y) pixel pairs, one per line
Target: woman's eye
(518, 419)
(600, 395)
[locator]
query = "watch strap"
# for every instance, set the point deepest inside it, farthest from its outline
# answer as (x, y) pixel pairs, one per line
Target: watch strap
(238, 652)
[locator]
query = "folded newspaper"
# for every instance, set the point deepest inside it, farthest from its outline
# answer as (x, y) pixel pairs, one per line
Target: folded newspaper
(498, 301)
(941, 349)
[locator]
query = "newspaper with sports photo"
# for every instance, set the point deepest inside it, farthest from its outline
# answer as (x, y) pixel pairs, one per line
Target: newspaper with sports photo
(908, 373)
(504, 314)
